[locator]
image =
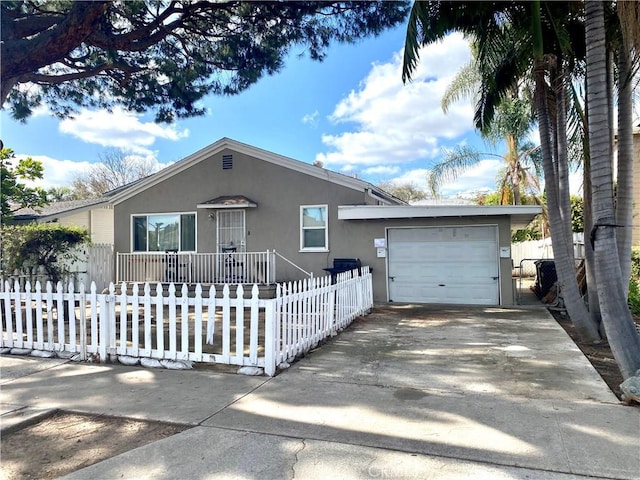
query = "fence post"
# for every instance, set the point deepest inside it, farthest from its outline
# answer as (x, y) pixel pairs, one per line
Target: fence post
(117, 266)
(107, 322)
(269, 338)
(83, 323)
(103, 326)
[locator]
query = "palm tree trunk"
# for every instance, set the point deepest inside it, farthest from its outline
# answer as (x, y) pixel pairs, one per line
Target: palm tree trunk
(624, 193)
(623, 338)
(589, 257)
(565, 266)
(562, 161)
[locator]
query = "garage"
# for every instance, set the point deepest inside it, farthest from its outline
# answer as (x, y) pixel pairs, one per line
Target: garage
(446, 254)
(445, 264)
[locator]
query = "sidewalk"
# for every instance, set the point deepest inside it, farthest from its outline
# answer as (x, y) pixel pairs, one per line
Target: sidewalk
(408, 392)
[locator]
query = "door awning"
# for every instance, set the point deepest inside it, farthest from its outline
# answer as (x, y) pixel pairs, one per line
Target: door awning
(228, 201)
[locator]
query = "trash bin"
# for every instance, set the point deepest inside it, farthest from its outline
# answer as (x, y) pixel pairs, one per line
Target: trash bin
(546, 277)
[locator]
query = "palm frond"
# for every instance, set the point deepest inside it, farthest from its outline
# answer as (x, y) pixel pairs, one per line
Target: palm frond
(629, 16)
(455, 161)
(464, 85)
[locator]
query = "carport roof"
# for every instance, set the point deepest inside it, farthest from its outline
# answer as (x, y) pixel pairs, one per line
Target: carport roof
(521, 215)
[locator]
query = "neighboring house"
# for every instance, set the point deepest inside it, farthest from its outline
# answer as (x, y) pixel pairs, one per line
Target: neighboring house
(95, 263)
(95, 214)
(224, 203)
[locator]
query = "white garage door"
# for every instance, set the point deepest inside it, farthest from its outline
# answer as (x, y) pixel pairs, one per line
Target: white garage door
(457, 265)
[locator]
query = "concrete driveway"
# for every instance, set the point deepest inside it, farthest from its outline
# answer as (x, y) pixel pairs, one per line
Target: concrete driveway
(407, 392)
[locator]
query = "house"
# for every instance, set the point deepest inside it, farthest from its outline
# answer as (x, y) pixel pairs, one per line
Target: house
(218, 215)
(93, 263)
(94, 214)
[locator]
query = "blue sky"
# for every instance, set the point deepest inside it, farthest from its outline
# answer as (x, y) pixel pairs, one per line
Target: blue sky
(351, 111)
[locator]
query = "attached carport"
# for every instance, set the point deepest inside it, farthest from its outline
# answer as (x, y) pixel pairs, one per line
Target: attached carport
(448, 254)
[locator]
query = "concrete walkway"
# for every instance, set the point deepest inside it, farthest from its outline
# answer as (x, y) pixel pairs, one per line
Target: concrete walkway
(406, 393)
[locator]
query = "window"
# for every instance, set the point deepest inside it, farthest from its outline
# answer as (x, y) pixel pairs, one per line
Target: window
(314, 232)
(159, 233)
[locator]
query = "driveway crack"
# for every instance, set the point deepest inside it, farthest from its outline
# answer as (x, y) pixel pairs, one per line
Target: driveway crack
(302, 446)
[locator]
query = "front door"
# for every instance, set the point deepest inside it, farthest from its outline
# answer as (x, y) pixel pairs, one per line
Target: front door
(231, 230)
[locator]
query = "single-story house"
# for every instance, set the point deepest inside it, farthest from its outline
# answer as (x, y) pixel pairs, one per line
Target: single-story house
(228, 202)
(94, 214)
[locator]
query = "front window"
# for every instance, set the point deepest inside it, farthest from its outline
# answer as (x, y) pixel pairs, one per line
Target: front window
(314, 233)
(160, 233)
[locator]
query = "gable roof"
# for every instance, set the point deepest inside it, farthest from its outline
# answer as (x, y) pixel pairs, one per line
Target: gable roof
(227, 143)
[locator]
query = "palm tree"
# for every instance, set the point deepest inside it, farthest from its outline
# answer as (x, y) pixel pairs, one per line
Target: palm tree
(512, 123)
(627, 49)
(505, 33)
(619, 325)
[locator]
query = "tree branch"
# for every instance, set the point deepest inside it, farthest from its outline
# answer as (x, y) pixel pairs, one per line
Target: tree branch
(86, 73)
(23, 56)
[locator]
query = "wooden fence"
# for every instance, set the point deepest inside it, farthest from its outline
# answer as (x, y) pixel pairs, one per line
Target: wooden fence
(217, 327)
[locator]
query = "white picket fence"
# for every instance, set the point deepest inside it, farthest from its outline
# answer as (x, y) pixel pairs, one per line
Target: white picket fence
(215, 326)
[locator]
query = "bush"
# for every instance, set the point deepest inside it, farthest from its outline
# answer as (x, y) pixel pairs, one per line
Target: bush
(634, 282)
(48, 246)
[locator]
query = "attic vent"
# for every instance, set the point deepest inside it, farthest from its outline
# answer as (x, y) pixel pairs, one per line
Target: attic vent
(227, 162)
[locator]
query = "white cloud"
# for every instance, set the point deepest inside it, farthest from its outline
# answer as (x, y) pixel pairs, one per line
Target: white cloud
(381, 170)
(61, 173)
(473, 180)
(57, 173)
(119, 129)
(417, 177)
(396, 123)
(311, 119)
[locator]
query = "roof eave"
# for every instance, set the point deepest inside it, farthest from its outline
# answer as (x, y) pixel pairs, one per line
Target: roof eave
(521, 215)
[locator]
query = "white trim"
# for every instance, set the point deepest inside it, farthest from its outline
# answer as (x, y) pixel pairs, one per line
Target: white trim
(235, 206)
(520, 214)
(304, 249)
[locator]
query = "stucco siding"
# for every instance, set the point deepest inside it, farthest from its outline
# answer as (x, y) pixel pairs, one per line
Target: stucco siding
(273, 224)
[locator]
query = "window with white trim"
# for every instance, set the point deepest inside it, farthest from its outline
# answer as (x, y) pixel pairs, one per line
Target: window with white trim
(314, 229)
(160, 233)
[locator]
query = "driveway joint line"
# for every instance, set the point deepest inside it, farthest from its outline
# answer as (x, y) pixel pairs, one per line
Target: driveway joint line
(224, 407)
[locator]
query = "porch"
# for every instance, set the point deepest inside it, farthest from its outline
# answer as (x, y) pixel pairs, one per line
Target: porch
(203, 268)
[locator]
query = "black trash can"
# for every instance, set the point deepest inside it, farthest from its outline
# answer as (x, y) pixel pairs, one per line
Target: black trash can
(546, 277)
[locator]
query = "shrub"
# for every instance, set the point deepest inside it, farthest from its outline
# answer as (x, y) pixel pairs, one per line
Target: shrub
(634, 282)
(50, 246)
